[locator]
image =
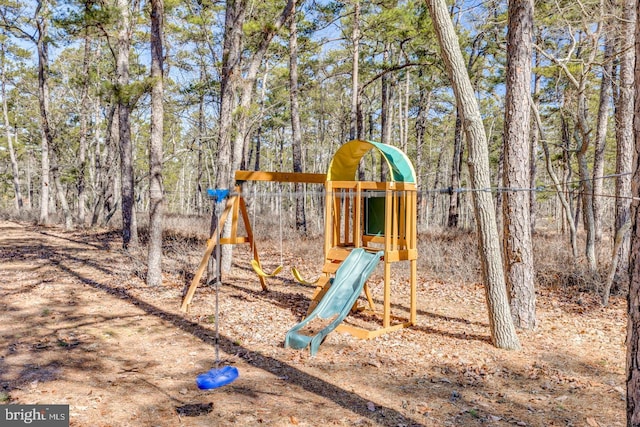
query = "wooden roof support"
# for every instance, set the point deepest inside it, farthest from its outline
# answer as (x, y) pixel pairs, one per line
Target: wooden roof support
(309, 178)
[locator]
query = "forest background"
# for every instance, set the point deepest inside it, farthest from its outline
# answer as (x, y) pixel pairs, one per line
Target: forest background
(280, 85)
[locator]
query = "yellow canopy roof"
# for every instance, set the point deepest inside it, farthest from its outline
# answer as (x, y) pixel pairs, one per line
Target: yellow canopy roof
(344, 165)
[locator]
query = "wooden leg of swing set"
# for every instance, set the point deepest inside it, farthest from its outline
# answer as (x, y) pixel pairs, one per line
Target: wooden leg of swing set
(322, 286)
(367, 292)
(211, 244)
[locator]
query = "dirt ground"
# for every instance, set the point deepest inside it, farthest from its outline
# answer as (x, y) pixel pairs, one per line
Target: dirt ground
(79, 327)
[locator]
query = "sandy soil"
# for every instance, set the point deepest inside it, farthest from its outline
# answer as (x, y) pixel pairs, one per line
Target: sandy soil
(78, 326)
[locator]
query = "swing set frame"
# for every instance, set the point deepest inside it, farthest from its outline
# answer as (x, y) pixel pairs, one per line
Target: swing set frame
(237, 207)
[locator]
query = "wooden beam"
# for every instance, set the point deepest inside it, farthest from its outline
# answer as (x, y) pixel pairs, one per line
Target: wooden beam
(310, 178)
(211, 244)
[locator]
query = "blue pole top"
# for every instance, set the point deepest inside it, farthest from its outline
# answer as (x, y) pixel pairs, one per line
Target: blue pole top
(218, 195)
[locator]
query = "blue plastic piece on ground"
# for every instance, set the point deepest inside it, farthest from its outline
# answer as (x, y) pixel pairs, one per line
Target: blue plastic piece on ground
(217, 377)
(219, 194)
(341, 296)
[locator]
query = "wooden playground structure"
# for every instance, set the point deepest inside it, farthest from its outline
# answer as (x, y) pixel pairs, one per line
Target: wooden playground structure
(371, 215)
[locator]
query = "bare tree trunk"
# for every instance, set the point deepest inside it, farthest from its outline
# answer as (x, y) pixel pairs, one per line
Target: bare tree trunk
(535, 137)
(385, 111)
(129, 231)
(82, 151)
(199, 165)
(568, 213)
(154, 258)
(296, 144)
(601, 136)
(500, 194)
(105, 204)
(230, 156)
(43, 98)
(59, 188)
(404, 113)
(7, 126)
(424, 102)
(633, 297)
(257, 149)
(582, 133)
(385, 101)
(503, 332)
(247, 85)
(235, 13)
(231, 57)
(47, 133)
(456, 170)
(567, 171)
(435, 198)
(355, 62)
(29, 178)
(518, 248)
(624, 135)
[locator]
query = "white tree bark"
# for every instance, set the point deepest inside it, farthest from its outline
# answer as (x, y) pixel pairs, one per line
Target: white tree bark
(503, 334)
(154, 258)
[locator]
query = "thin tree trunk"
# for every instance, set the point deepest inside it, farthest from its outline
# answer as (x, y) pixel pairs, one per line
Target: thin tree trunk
(296, 144)
(535, 138)
(29, 179)
(424, 102)
(7, 126)
(129, 231)
(581, 134)
(355, 61)
(601, 137)
(435, 197)
(456, 169)
(47, 133)
(568, 213)
(503, 332)
(106, 164)
(43, 98)
(567, 171)
(154, 259)
(385, 111)
(82, 151)
(518, 248)
(199, 165)
(405, 113)
(59, 188)
(258, 144)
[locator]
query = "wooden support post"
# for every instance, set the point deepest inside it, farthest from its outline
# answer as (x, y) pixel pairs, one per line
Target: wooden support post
(337, 209)
(328, 219)
(388, 236)
(211, 244)
(346, 216)
(357, 217)
(412, 245)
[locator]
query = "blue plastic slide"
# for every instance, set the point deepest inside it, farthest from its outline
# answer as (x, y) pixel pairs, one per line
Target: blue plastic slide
(339, 299)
